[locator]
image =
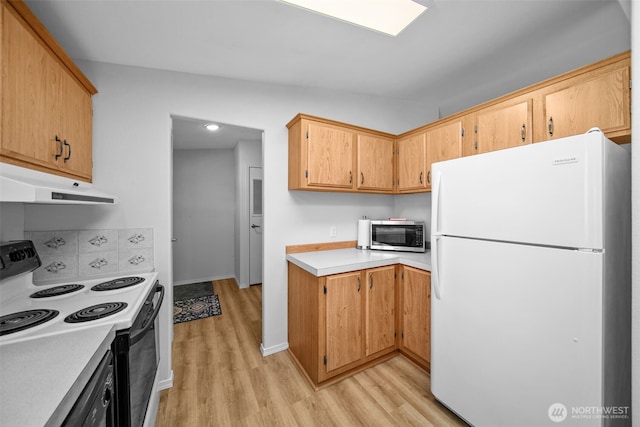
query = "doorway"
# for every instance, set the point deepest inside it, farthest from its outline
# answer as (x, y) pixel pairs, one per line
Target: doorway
(211, 188)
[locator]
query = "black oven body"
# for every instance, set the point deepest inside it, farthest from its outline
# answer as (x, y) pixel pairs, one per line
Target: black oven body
(95, 406)
(136, 362)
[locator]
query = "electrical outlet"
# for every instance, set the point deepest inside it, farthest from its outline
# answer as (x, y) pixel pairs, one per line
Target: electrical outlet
(333, 231)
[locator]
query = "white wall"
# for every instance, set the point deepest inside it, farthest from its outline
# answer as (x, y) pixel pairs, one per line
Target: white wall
(204, 206)
(246, 153)
(132, 159)
(635, 225)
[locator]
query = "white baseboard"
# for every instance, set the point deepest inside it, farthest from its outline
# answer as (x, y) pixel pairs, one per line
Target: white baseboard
(203, 279)
(273, 349)
(168, 383)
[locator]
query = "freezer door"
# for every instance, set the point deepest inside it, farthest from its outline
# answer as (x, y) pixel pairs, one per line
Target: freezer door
(515, 331)
(546, 193)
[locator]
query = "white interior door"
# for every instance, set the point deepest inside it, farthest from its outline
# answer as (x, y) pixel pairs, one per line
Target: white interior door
(255, 225)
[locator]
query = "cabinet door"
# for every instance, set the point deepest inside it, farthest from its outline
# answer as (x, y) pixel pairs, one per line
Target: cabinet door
(416, 312)
(600, 102)
(375, 163)
(412, 163)
(379, 311)
(76, 126)
(30, 94)
(330, 161)
(504, 126)
(444, 143)
(343, 320)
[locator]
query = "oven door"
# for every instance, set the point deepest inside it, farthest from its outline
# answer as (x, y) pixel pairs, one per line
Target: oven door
(137, 358)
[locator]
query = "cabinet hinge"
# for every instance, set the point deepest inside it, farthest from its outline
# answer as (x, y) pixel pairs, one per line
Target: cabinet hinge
(324, 360)
(325, 291)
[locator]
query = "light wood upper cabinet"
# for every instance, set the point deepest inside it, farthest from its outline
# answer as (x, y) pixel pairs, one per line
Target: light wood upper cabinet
(416, 314)
(597, 95)
(602, 101)
(412, 163)
(330, 161)
(444, 142)
(325, 155)
(374, 163)
(504, 125)
(46, 100)
(380, 310)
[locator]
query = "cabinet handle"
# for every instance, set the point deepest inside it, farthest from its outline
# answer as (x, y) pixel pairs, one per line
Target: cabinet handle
(475, 145)
(523, 132)
(66, 144)
(350, 177)
(420, 177)
(550, 126)
(358, 283)
(371, 280)
(428, 177)
(59, 141)
(361, 178)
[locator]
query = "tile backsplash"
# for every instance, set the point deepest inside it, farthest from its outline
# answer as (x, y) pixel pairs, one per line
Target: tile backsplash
(84, 254)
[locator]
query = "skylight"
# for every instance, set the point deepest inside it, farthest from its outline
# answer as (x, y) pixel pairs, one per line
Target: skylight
(386, 16)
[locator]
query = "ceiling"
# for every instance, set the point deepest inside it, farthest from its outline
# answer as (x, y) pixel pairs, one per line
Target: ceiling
(452, 51)
(190, 134)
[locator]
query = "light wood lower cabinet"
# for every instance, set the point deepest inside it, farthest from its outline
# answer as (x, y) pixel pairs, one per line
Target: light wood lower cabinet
(415, 315)
(343, 323)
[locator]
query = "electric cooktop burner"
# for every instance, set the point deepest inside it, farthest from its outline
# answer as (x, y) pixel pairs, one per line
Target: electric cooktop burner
(94, 312)
(123, 282)
(56, 291)
(22, 320)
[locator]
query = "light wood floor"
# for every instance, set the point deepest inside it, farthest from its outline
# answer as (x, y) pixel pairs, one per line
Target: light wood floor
(221, 379)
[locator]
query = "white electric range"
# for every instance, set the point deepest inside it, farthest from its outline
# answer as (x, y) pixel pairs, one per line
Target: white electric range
(29, 311)
(127, 304)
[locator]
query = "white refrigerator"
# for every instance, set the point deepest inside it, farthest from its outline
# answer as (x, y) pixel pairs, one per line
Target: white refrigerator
(531, 285)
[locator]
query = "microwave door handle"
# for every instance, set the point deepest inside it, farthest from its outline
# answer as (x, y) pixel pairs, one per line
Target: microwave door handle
(139, 334)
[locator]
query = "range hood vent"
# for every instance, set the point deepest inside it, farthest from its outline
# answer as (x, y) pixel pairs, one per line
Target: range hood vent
(19, 184)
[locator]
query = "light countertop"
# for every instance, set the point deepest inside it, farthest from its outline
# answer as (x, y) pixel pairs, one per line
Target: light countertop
(42, 378)
(324, 263)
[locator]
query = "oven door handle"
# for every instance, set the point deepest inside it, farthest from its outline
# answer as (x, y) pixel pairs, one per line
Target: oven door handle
(150, 320)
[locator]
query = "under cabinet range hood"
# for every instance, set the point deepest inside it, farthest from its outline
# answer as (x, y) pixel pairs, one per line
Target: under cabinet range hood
(18, 184)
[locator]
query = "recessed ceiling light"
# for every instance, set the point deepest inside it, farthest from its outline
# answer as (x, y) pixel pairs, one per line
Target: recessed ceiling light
(212, 127)
(387, 16)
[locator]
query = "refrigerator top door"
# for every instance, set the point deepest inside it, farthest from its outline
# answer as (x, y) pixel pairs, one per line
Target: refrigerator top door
(548, 193)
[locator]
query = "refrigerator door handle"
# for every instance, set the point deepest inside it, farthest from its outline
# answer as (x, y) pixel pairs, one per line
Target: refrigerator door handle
(437, 180)
(435, 271)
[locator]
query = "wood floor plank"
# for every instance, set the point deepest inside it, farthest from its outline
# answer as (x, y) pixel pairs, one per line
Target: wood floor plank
(221, 379)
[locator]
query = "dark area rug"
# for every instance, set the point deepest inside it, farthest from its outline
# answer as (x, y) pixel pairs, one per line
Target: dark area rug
(195, 301)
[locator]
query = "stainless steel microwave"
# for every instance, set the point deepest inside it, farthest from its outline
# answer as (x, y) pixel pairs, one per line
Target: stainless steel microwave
(407, 236)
